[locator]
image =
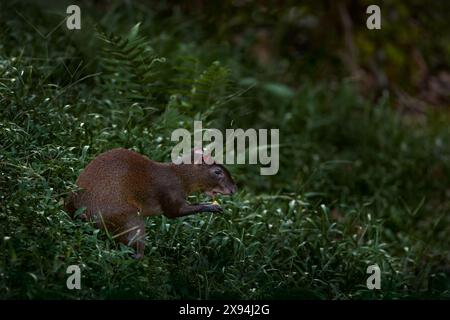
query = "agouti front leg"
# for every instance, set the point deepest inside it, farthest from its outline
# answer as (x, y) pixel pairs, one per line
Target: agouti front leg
(188, 209)
(174, 207)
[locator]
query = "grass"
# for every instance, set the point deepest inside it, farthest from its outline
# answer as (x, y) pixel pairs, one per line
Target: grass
(358, 184)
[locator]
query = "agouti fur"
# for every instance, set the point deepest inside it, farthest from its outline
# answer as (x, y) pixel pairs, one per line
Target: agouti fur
(120, 187)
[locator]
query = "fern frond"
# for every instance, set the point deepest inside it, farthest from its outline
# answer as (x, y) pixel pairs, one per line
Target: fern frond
(201, 91)
(129, 71)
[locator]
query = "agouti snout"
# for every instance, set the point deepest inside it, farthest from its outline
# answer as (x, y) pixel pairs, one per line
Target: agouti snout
(121, 187)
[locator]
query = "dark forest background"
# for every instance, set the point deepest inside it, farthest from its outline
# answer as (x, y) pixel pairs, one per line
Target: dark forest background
(364, 130)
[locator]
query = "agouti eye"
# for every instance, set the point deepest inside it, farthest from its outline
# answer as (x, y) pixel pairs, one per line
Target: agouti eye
(218, 172)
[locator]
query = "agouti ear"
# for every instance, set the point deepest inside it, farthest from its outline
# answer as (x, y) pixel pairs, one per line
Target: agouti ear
(197, 156)
(207, 159)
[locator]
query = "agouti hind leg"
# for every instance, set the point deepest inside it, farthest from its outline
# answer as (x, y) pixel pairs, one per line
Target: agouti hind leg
(133, 234)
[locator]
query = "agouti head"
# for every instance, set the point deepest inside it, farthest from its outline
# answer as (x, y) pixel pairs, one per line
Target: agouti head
(216, 179)
(210, 178)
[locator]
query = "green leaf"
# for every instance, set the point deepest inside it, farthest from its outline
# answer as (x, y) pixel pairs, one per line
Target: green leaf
(279, 90)
(134, 32)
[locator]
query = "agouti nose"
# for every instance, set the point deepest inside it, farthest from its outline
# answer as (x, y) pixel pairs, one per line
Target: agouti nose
(233, 189)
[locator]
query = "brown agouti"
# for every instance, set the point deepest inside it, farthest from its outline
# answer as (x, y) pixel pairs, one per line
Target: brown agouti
(120, 187)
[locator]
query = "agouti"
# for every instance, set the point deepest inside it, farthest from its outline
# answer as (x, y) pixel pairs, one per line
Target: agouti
(120, 187)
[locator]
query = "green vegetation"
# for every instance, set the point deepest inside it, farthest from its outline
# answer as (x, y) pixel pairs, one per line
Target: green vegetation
(358, 183)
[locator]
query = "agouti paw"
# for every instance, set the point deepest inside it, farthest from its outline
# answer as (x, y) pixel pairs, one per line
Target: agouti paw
(216, 208)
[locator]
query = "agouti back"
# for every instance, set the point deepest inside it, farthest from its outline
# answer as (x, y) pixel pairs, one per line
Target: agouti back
(120, 187)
